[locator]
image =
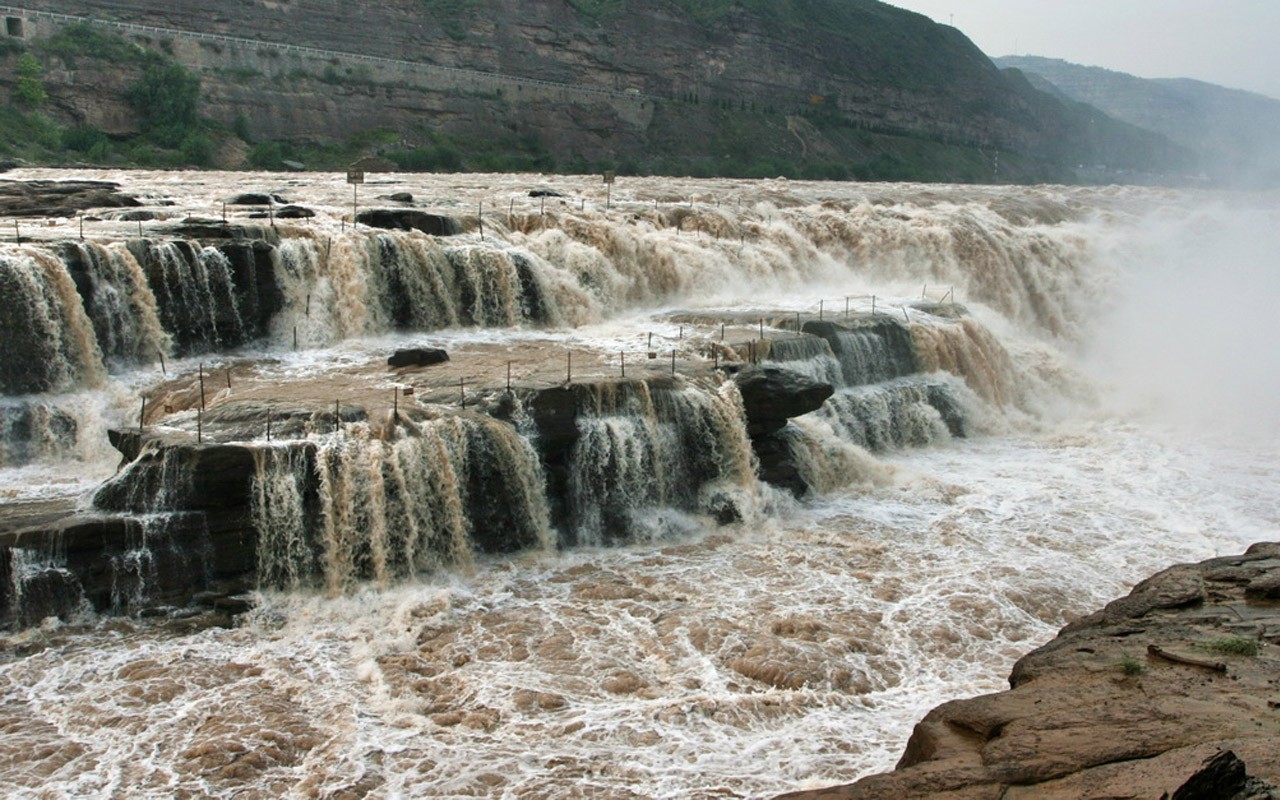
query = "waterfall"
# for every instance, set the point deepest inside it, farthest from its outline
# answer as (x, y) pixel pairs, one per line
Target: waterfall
(355, 507)
(195, 294)
(873, 353)
(967, 349)
(34, 430)
(809, 355)
(905, 412)
(364, 283)
(48, 342)
(117, 298)
(645, 448)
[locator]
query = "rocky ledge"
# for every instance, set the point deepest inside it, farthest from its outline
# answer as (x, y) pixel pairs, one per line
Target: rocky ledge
(1171, 692)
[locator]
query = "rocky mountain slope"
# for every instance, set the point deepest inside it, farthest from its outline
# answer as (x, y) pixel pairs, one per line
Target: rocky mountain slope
(1172, 691)
(818, 88)
(1234, 133)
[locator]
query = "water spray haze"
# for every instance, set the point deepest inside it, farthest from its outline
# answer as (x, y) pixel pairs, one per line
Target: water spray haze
(1189, 336)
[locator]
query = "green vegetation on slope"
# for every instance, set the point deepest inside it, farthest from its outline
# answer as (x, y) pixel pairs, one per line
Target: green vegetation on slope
(165, 98)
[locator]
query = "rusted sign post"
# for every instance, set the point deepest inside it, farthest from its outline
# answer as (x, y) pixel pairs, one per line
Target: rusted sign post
(355, 177)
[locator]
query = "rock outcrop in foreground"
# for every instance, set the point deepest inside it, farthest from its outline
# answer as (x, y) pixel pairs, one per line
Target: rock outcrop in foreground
(1173, 691)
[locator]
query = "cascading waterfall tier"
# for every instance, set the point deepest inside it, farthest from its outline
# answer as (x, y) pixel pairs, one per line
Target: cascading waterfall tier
(47, 341)
(356, 507)
(646, 447)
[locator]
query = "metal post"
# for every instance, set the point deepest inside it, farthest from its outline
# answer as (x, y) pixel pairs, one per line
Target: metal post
(228, 379)
(762, 328)
(904, 315)
(924, 290)
(295, 337)
(462, 392)
(271, 211)
(308, 305)
(337, 416)
(202, 384)
(268, 424)
(568, 374)
(508, 376)
(224, 212)
(142, 415)
(199, 426)
(846, 307)
(873, 304)
(622, 362)
(511, 214)
(673, 363)
(542, 206)
(820, 302)
(139, 229)
(797, 322)
(82, 227)
(163, 370)
(722, 331)
(395, 403)
(480, 216)
(650, 340)
(355, 204)
(681, 336)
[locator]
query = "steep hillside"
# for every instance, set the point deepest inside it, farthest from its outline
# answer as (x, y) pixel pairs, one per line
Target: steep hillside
(818, 88)
(1234, 133)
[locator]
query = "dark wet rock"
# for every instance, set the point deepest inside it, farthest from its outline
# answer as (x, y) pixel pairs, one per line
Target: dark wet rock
(294, 212)
(778, 464)
(409, 219)
(59, 198)
(136, 216)
(257, 199)
(772, 395)
(417, 357)
(210, 230)
(400, 197)
(545, 193)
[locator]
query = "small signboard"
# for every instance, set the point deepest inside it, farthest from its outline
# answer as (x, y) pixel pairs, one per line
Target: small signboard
(355, 176)
(408, 391)
(608, 177)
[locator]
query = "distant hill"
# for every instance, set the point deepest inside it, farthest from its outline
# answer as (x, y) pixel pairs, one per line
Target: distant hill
(1235, 134)
(751, 88)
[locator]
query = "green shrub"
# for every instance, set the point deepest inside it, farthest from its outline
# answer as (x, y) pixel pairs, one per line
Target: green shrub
(82, 138)
(1231, 646)
(1130, 665)
(165, 99)
(28, 91)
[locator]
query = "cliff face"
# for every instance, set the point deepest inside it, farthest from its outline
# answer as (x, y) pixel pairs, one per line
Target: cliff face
(834, 80)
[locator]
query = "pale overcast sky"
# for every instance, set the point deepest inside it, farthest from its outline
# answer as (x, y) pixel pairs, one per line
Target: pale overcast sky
(1234, 43)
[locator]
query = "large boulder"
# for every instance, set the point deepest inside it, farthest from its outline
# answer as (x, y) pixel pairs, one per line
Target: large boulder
(417, 357)
(409, 219)
(772, 395)
(59, 198)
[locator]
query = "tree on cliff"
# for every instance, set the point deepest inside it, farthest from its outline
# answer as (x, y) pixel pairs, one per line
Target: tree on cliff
(29, 90)
(165, 99)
